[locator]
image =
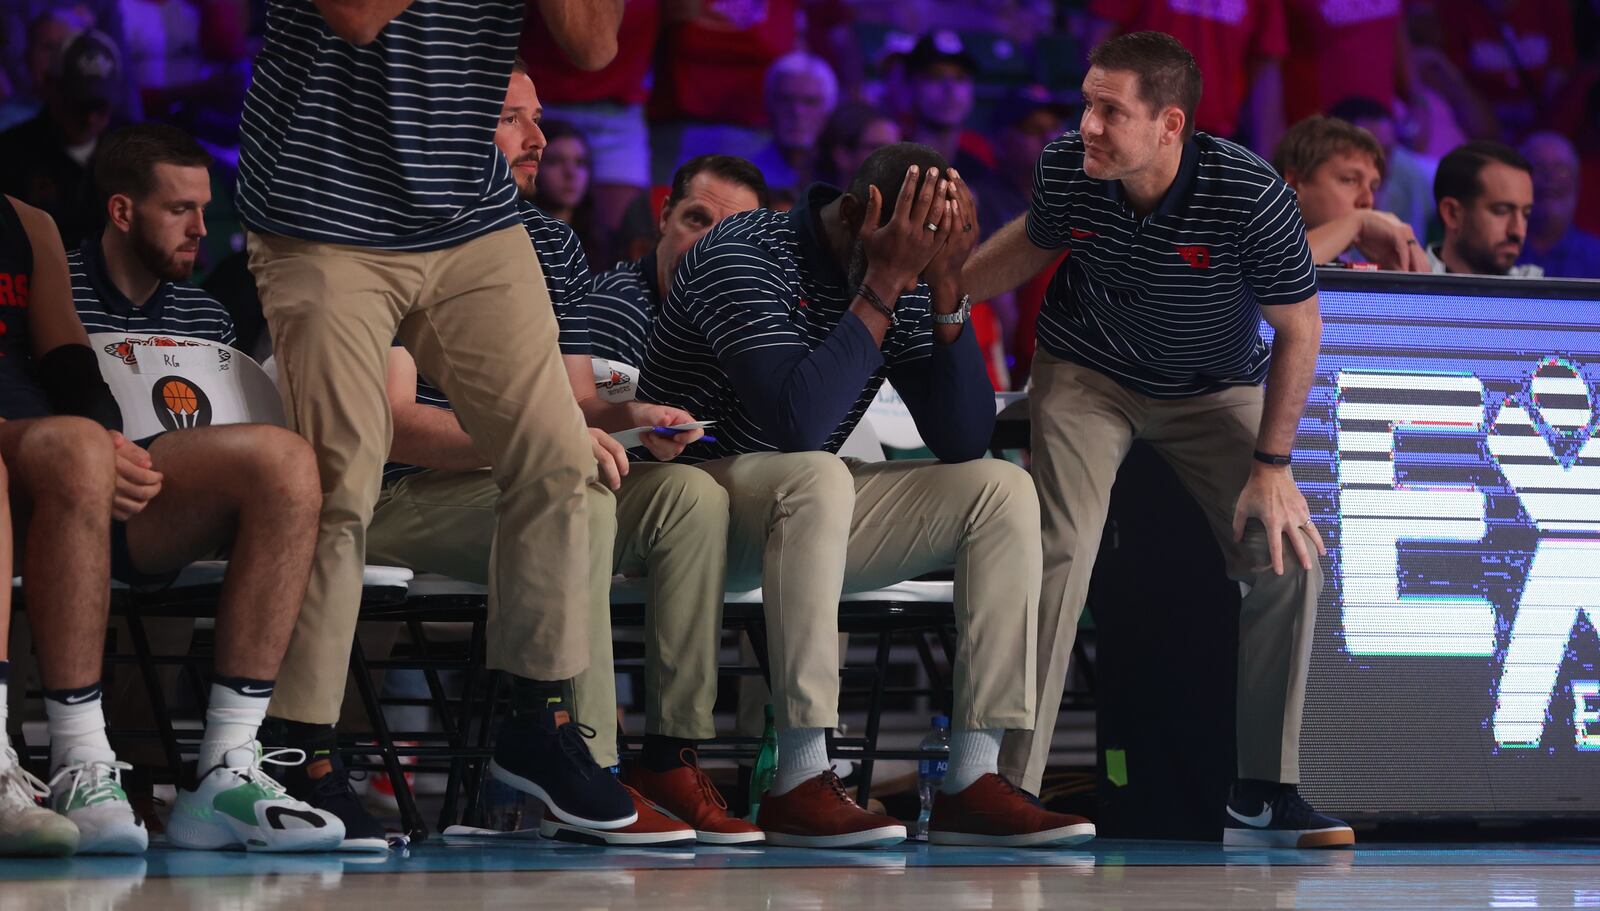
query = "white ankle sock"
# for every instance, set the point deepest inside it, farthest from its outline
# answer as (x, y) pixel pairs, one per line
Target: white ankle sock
(77, 725)
(232, 719)
(973, 754)
(802, 755)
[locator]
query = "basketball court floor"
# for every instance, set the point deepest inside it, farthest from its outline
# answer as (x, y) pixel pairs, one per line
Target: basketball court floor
(449, 874)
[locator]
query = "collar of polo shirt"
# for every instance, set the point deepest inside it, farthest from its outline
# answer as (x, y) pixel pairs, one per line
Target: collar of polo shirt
(106, 290)
(1176, 196)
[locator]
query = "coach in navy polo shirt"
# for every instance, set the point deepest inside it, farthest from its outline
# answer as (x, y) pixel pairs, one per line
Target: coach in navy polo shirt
(781, 326)
(378, 206)
(1178, 245)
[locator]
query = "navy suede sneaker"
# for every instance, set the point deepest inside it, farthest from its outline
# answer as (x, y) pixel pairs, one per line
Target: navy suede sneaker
(1264, 814)
(544, 755)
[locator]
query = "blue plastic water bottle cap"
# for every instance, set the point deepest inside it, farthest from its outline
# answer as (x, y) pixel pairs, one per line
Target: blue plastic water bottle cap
(942, 722)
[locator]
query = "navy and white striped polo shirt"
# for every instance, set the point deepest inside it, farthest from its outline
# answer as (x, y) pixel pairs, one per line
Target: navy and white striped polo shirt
(566, 274)
(174, 308)
(389, 145)
(1169, 305)
(762, 282)
(621, 306)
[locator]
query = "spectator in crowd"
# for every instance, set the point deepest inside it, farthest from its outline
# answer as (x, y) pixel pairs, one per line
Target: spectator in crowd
(801, 94)
(1554, 243)
(782, 327)
(607, 106)
(1514, 58)
(47, 158)
(1179, 245)
(623, 303)
(664, 522)
(707, 96)
(1240, 47)
(1338, 50)
(940, 73)
(855, 131)
(565, 192)
(1484, 191)
(1336, 169)
(47, 34)
(1407, 188)
(17, 63)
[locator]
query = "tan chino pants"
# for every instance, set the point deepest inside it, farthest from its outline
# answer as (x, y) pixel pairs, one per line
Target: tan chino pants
(1083, 425)
(477, 318)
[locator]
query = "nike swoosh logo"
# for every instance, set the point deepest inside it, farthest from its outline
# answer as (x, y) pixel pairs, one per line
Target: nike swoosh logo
(1260, 820)
(76, 700)
(251, 691)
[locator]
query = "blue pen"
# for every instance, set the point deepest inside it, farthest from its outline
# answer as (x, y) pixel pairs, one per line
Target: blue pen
(668, 431)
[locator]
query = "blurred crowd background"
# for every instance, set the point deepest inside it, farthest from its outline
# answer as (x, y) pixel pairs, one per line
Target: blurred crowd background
(807, 89)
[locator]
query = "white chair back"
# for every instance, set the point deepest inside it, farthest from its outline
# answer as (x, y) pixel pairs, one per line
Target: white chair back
(615, 381)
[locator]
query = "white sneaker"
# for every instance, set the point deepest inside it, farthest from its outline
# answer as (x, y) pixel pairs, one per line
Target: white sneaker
(26, 828)
(89, 792)
(238, 805)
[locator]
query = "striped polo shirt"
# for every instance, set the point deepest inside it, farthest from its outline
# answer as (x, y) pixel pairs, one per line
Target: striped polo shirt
(174, 308)
(389, 145)
(1168, 305)
(621, 306)
(566, 274)
(762, 282)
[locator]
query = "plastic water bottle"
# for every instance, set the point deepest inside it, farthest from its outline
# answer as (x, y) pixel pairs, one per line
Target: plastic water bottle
(766, 765)
(931, 769)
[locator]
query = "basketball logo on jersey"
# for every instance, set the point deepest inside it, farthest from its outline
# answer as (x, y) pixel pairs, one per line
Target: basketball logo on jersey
(180, 404)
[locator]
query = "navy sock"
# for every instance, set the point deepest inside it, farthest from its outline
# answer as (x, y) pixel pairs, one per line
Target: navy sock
(529, 697)
(663, 753)
(77, 696)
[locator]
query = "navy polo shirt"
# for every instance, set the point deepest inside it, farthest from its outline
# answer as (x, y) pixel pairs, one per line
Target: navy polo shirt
(21, 396)
(389, 145)
(174, 309)
(1168, 305)
(621, 306)
(756, 334)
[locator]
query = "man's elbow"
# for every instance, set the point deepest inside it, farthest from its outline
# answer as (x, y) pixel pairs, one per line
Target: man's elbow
(593, 52)
(798, 439)
(963, 450)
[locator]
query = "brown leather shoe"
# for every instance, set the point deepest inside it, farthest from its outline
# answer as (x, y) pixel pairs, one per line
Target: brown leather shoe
(992, 813)
(688, 794)
(820, 814)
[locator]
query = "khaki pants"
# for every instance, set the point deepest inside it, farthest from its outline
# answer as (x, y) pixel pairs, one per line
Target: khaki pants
(1083, 426)
(808, 526)
(478, 320)
(668, 523)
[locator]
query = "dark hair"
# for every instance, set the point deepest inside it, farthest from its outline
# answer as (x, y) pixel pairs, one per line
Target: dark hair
(1306, 145)
(728, 167)
(1168, 75)
(1458, 172)
(886, 170)
(596, 244)
(125, 161)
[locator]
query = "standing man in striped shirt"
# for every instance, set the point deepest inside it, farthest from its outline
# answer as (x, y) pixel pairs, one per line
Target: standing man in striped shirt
(378, 206)
(1179, 244)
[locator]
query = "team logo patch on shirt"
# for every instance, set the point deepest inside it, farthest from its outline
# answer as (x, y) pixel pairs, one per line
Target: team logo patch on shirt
(180, 404)
(1196, 256)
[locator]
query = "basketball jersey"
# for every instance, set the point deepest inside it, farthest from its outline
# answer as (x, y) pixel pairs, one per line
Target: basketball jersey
(20, 393)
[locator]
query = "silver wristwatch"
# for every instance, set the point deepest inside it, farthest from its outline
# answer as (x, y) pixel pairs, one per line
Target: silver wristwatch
(958, 317)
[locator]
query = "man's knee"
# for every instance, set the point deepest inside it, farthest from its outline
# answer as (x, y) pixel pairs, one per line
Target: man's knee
(260, 461)
(819, 477)
(66, 459)
(694, 496)
(1003, 491)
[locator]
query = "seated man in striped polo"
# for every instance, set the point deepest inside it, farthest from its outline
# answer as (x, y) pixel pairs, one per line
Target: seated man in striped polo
(172, 498)
(782, 326)
(665, 522)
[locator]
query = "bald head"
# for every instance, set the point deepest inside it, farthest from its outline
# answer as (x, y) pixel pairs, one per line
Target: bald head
(1555, 183)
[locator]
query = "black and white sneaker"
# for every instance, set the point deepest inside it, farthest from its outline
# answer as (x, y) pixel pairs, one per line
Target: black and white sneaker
(544, 755)
(1263, 814)
(330, 791)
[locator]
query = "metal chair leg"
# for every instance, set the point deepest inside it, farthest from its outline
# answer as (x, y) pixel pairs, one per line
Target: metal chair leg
(152, 684)
(874, 718)
(410, 818)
